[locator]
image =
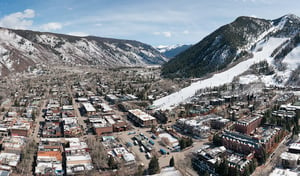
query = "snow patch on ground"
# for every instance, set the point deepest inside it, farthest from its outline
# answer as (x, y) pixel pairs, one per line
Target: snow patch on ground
(247, 79)
(292, 60)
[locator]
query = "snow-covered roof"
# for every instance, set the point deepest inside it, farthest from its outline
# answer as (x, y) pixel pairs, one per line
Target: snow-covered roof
(68, 107)
(283, 172)
(169, 171)
(141, 115)
(171, 139)
(128, 157)
(88, 107)
(105, 107)
(289, 156)
(295, 146)
(10, 159)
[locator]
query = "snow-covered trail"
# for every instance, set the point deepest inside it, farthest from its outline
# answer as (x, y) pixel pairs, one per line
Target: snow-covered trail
(262, 52)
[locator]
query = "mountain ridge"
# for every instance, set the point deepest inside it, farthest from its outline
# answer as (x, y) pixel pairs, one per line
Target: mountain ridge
(20, 49)
(269, 55)
(226, 39)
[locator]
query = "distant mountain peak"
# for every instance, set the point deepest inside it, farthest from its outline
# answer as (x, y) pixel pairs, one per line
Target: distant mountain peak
(291, 16)
(170, 51)
(164, 48)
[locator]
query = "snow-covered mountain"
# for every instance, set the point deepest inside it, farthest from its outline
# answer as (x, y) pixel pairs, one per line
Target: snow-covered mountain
(20, 49)
(172, 50)
(259, 50)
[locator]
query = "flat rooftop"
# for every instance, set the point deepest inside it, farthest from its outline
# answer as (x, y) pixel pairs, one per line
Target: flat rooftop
(289, 156)
(141, 115)
(295, 146)
(248, 119)
(88, 107)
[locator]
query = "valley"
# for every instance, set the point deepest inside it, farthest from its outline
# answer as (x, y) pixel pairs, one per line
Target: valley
(93, 107)
(86, 105)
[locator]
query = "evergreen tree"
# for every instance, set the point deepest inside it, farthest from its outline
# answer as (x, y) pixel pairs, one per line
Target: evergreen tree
(295, 130)
(189, 141)
(251, 167)
(206, 173)
(237, 171)
(140, 171)
(153, 167)
(223, 168)
(185, 142)
(172, 162)
(247, 172)
(262, 158)
(112, 163)
(217, 140)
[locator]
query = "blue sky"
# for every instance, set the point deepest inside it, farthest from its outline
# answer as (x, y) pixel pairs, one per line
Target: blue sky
(156, 22)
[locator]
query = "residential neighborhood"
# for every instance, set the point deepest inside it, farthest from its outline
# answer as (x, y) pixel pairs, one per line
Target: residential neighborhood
(85, 123)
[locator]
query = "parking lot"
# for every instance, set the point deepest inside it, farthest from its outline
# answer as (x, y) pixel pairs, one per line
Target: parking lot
(141, 156)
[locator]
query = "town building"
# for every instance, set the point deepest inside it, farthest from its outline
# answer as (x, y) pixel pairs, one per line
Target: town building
(172, 141)
(248, 124)
(9, 159)
(88, 109)
(49, 158)
(294, 148)
(78, 159)
(141, 118)
(284, 172)
(20, 127)
(263, 139)
(52, 129)
(289, 160)
(13, 144)
(206, 158)
(111, 98)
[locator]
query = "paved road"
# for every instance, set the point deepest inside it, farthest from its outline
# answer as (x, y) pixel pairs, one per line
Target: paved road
(39, 119)
(272, 161)
(76, 109)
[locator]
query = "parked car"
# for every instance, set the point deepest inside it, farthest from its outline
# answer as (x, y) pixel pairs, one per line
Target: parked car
(148, 155)
(163, 151)
(131, 132)
(151, 142)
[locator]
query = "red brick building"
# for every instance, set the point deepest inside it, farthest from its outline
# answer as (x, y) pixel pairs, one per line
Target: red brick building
(264, 138)
(102, 128)
(21, 128)
(120, 125)
(240, 143)
(248, 124)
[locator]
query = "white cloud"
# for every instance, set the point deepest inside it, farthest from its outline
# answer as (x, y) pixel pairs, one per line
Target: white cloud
(79, 34)
(51, 26)
(167, 34)
(186, 32)
(18, 20)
